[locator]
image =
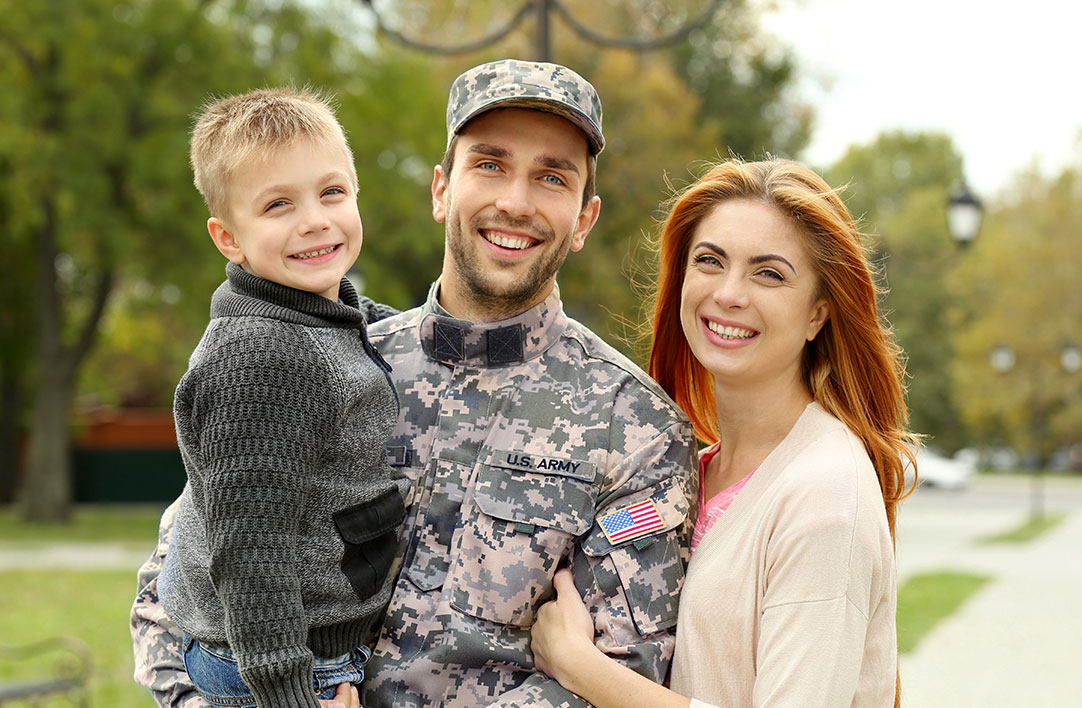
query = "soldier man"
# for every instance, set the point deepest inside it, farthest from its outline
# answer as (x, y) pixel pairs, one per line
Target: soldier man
(528, 441)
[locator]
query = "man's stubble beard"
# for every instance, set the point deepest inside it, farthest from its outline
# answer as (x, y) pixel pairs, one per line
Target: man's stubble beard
(485, 293)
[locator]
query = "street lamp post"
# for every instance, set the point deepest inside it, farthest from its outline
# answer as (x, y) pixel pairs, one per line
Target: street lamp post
(1002, 360)
(1070, 358)
(964, 214)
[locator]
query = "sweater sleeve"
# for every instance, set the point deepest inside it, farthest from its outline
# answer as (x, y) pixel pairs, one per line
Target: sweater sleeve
(261, 413)
(824, 564)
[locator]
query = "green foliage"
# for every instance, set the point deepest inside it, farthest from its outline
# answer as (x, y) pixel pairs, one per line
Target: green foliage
(667, 112)
(1019, 287)
(897, 187)
(98, 105)
(97, 101)
(925, 600)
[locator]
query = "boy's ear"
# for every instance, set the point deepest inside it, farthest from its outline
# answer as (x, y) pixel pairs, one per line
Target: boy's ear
(225, 240)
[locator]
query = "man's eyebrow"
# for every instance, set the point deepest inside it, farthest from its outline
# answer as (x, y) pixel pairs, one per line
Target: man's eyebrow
(557, 163)
(490, 150)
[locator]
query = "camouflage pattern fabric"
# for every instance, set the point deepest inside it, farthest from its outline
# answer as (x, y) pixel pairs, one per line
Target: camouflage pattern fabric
(540, 86)
(516, 436)
(157, 641)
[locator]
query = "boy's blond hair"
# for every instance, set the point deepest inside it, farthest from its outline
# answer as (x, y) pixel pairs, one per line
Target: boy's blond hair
(232, 131)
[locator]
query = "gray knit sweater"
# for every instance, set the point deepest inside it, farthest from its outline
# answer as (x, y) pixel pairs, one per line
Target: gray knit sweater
(288, 523)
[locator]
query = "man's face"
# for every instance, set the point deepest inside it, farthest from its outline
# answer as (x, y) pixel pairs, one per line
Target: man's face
(513, 209)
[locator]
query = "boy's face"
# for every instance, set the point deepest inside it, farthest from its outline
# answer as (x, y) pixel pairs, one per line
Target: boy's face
(292, 218)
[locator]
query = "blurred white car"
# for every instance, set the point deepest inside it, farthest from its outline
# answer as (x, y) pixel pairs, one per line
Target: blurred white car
(937, 470)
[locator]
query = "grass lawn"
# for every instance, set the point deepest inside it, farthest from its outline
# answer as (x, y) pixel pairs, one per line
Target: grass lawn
(92, 606)
(1028, 530)
(119, 523)
(924, 600)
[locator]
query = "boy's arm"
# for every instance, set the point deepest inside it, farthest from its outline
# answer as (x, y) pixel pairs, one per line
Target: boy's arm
(156, 641)
(258, 411)
(631, 589)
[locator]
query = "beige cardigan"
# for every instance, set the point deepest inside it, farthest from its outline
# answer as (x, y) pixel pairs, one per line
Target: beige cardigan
(790, 598)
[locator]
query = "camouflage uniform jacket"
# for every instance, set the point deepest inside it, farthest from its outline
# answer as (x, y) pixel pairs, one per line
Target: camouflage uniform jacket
(517, 437)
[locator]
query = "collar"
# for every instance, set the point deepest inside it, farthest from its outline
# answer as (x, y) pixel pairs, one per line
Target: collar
(490, 344)
(245, 294)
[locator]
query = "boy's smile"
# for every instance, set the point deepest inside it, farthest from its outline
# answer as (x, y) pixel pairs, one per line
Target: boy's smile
(293, 218)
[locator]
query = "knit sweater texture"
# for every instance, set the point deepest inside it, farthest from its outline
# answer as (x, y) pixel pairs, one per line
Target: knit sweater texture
(790, 597)
(288, 522)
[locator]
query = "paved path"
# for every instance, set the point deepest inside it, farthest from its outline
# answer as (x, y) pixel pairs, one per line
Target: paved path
(73, 556)
(1016, 643)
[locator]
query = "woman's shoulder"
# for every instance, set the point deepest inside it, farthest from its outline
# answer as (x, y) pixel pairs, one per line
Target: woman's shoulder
(822, 440)
(827, 465)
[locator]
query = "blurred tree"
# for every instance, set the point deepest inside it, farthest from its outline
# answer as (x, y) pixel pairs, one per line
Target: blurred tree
(108, 231)
(1020, 289)
(897, 185)
(728, 89)
(16, 320)
(97, 103)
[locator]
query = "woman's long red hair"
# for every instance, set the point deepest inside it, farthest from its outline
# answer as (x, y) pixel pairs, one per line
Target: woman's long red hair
(853, 368)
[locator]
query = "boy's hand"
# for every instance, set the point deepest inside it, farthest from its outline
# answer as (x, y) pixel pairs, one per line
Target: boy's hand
(345, 697)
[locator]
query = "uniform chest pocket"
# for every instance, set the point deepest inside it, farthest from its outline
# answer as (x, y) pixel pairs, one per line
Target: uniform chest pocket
(519, 526)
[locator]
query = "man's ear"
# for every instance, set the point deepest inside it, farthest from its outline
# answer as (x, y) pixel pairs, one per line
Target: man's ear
(225, 240)
(439, 195)
(587, 219)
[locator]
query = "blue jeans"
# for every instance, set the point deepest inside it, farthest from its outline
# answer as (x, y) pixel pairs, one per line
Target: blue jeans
(214, 672)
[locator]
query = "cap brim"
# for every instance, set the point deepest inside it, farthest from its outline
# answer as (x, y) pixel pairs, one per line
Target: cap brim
(571, 113)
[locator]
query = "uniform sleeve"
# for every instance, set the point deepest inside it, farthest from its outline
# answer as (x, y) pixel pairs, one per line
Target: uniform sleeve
(261, 416)
(632, 588)
(156, 641)
(375, 311)
(828, 567)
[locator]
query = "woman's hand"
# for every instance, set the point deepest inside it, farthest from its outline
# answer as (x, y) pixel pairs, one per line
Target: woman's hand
(562, 640)
(563, 632)
(345, 697)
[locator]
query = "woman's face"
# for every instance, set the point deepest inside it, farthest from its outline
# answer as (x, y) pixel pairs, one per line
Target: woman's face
(749, 301)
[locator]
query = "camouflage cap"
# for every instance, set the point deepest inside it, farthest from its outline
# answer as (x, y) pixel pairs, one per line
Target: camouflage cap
(526, 84)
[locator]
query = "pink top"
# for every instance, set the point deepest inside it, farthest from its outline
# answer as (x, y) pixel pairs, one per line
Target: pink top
(711, 511)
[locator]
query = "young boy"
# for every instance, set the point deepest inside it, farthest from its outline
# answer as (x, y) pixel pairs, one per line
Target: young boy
(285, 533)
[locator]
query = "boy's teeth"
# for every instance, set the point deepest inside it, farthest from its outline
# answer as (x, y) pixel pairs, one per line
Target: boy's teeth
(506, 241)
(730, 332)
(313, 254)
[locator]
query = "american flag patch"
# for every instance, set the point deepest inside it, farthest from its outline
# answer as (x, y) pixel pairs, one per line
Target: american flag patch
(631, 522)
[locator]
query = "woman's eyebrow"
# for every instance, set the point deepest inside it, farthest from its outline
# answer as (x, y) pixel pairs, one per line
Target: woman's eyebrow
(716, 249)
(766, 258)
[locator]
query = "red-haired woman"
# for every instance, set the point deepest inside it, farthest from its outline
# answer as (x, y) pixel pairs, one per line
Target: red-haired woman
(767, 333)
